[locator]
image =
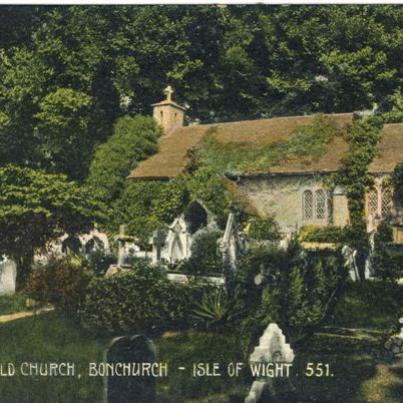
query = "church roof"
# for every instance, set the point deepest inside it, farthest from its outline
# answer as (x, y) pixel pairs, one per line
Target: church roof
(174, 153)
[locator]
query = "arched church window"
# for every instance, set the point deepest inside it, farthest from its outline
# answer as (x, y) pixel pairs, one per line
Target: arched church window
(386, 200)
(307, 204)
(373, 201)
(320, 196)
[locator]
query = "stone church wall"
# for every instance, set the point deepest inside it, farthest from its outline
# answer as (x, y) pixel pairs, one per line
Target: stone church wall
(282, 197)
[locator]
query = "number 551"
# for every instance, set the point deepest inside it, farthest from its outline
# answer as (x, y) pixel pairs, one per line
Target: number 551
(317, 369)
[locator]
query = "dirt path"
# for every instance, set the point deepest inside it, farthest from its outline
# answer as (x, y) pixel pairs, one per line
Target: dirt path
(23, 314)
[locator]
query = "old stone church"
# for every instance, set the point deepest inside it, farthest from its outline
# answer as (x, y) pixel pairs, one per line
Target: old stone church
(292, 190)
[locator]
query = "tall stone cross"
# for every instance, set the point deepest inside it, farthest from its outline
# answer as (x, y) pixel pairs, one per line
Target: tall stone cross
(168, 92)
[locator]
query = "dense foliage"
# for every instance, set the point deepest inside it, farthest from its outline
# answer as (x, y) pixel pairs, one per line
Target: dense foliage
(397, 180)
(67, 73)
(387, 263)
(263, 229)
(205, 257)
(146, 206)
(36, 208)
(133, 139)
(291, 287)
(354, 176)
(61, 282)
(330, 233)
(141, 300)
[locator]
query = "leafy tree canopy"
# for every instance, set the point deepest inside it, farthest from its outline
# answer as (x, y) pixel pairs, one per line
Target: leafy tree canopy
(226, 63)
(36, 208)
(133, 139)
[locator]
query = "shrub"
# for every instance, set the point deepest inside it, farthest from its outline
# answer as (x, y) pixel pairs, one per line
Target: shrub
(99, 261)
(205, 256)
(330, 233)
(292, 287)
(216, 309)
(264, 229)
(385, 262)
(134, 139)
(140, 300)
(61, 282)
(397, 180)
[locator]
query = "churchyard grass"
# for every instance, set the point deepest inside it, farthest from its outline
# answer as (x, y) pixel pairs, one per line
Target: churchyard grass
(357, 376)
(369, 305)
(43, 338)
(350, 360)
(13, 303)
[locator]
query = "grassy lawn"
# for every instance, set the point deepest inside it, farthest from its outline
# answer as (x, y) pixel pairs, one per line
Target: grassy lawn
(184, 349)
(49, 338)
(12, 303)
(369, 305)
(357, 377)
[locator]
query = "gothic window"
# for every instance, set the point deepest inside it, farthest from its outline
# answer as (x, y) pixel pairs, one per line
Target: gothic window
(386, 200)
(320, 210)
(373, 201)
(307, 205)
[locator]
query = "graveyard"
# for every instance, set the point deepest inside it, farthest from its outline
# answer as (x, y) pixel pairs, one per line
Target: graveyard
(53, 337)
(201, 204)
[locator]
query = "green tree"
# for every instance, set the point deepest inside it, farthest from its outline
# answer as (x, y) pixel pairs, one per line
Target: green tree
(62, 132)
(146, 206)
(36, 208)
(133, 139)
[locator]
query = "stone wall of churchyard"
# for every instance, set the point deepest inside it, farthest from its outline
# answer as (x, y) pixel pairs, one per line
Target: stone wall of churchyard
(282, 197)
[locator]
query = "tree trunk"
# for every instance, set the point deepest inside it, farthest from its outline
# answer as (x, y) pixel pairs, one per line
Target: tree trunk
(24, 266)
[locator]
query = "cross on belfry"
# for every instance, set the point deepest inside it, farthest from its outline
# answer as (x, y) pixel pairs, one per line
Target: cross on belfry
(168, 92)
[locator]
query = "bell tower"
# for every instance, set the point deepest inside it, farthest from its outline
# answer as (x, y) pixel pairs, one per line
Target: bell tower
(168, 114)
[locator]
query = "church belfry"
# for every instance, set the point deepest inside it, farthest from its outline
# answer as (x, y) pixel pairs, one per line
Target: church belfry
(167, 113)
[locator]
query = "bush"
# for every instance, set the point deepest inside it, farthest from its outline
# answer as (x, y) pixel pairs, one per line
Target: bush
(216, 309)
(61, 282)
(99, 261)
(291, 287)
(134, 139)
(205, 257)
(385, 262)
(140, 300)
(264, 229)
(311, 233)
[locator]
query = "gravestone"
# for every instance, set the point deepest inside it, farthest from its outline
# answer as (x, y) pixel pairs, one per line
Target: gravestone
(394, 345)
(272, 348)
(229, 248)
(127, 248)
(8, 276)
(350, 262)
(130, 389)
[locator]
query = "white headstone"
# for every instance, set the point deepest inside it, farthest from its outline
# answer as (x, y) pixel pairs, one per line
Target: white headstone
(272, 348)
(8, 276)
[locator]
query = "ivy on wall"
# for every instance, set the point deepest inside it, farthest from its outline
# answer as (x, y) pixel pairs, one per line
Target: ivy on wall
(363, 137)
